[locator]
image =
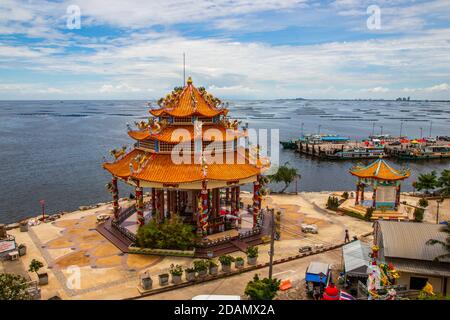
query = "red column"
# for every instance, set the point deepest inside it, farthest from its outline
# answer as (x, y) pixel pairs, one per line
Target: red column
(227, 197)
(238, 198)
(203, 210)
(233, 201)
(169, 202)
(115, 194)
(397, 197)
(357, 194)
(140, 206)
(374, 197)
(256, 201)
(362, 193)
(153, 200)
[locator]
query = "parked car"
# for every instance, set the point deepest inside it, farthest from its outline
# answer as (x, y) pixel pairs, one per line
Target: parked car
(304, 249)
(309, 228)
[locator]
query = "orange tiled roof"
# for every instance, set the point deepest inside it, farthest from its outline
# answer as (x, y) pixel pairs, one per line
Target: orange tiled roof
(160, 169)
(379, 170)
(190, 102)
(166, 134)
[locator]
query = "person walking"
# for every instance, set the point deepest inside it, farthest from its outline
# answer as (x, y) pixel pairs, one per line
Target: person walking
(347, 236)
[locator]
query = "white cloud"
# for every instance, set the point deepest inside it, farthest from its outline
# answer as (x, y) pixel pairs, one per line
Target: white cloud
(439, 87)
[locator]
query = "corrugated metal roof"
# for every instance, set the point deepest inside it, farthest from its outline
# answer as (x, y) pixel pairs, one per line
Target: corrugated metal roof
(356, 257)
(318, 267)
(421, 267)
(407, 240)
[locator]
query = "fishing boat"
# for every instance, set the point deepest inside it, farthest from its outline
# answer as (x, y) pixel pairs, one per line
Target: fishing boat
(288, 145)
(424, 152)
(358, 153)
(323, 138)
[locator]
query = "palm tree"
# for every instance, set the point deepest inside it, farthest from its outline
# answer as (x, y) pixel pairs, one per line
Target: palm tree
(427, 181)
(444, 183)
(446, 244)
(285, 174)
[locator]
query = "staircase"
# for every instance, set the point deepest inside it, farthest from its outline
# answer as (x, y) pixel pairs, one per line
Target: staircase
(114, 236)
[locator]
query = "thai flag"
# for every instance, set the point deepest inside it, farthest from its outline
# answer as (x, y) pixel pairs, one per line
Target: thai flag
(345, 296)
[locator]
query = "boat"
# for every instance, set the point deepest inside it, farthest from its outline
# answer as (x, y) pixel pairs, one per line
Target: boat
(323, 138)
(358, 153)
(288, 145)
(424, 152)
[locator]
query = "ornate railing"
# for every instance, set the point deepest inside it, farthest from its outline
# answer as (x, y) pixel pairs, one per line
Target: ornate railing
(124, 215)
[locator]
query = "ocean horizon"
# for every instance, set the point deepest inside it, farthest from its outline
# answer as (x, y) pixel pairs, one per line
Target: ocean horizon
(54, 149)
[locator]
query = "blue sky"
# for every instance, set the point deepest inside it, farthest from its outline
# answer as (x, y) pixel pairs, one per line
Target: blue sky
(249, 49)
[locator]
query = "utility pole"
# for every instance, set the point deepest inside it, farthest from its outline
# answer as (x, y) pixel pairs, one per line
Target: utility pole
(272, 241)
(438, 202)
(319, 129)
(302, 129)
(373, 129)
(401, 128)
(421, 132)
(431, 126)
(381, 130)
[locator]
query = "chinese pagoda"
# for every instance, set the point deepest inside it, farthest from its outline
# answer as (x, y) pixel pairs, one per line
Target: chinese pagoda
(385, 181)
(189, 157)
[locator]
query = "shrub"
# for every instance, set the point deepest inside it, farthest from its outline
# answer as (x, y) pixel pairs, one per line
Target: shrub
(226, 260)
(189, 270)
(418, 214)
(13, 287)
(252, 252)
(369, 213)
(35, 265)
(212, 264)
(264, 289)
(423, 203)
(201, 265)
(176, 270)
(332, 203)
(239, 259)
(170, 234)
(345, 195)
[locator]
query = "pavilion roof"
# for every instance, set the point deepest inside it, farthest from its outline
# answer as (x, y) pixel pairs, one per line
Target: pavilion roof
(160, 168)
(188, 101)
(165, 135)
(380, 170)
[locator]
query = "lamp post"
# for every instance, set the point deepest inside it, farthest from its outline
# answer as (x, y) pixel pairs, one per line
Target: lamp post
(42, 202)
(437, 211)
(272, 242)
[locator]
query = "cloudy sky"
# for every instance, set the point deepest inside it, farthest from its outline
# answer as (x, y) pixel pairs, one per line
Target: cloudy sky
(250, 49)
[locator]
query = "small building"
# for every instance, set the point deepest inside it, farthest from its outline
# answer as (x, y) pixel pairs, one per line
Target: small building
(356, 259)
(404, 245)
(385, 181)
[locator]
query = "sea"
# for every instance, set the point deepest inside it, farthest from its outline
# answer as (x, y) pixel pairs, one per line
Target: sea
(54, 150)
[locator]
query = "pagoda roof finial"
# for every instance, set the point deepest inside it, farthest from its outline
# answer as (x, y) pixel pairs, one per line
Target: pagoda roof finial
(189, 80)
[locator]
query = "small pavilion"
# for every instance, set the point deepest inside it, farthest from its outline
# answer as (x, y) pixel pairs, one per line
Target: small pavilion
(188, 157)
(385, 181)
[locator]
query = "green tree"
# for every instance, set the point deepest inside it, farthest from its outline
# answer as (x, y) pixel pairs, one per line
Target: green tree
(332, 203)
(35, 265)
(13, 287)
(446, 244)
(418, 214)
(264, 289)
(285, 174)
(427, 181)
(170, 234)
(444, 183)
(423, 202)
(369, 213)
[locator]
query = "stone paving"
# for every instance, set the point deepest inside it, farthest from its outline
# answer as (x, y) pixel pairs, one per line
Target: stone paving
(71, 246)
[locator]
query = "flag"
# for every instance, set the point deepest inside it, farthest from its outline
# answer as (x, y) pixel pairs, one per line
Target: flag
(345, 296)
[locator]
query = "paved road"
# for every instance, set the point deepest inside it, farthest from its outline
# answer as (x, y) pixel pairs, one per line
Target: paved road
(294, 270)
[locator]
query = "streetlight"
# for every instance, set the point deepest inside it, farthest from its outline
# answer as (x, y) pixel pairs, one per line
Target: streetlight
(421, 132)
(272, 243)
(319, 128)
(437, 211)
